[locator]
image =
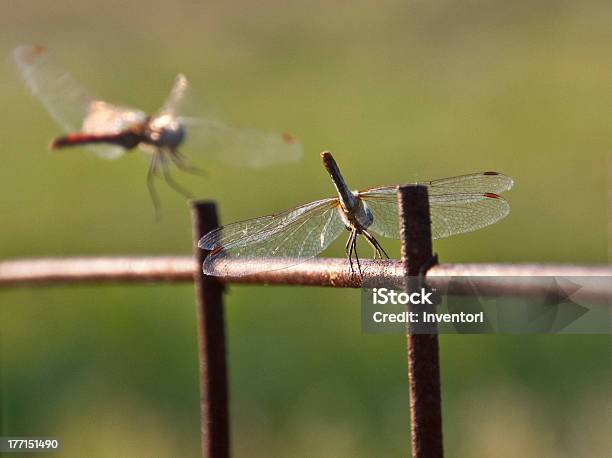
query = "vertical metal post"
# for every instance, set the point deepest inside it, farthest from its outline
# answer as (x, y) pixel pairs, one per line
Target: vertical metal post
(214, 408)
(423, 351)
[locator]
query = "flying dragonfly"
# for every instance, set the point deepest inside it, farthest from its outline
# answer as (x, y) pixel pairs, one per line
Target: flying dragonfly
(111, 130)
(457, 205)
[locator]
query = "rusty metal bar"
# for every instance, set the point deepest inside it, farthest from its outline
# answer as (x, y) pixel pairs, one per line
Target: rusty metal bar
(423, 349)
(521, 280)
(107, 269)
(214, 398)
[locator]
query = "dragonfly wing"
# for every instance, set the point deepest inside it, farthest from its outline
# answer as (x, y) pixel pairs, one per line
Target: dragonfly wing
(106, 118)
(207, 134)
(105, 151)
(68, 103)
(457, 205)
(292, 236)
(61, 95)
(179, 96)
(460, 213)
(236, 146)
(474, 183)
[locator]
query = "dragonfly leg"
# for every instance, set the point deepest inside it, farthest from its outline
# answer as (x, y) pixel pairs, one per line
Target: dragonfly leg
(184, 164)
(170, 181)
(348, 248)
(378, 248)
(368, 237)
(355, 251)
(151, 174)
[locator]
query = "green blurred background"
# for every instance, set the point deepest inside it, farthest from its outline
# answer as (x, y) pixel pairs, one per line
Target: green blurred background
(399, 91)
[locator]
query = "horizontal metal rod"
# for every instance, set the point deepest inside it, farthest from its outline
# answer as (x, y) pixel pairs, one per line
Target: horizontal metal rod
(108, 269)
(492, 279)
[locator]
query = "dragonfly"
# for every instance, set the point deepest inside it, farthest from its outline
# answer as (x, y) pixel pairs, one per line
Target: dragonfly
(110, 130)
(457, 205)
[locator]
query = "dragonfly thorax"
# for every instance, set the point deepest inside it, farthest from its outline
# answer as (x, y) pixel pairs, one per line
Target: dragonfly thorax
(360, 217)
(165, 131)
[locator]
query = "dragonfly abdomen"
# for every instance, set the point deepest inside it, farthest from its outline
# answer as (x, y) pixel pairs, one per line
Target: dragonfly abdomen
(127, 139)
(347, 198)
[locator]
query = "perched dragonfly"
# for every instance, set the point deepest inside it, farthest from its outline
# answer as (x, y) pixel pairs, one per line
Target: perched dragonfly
(110, 130)
(457, 205)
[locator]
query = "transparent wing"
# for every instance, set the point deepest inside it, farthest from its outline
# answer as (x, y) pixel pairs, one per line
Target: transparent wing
(61, 95)
(207, 134)
(457, 205)
(178, 101)
(474, 183)
(242, 147)
(106, 118)
(293, 236)
(68, 103)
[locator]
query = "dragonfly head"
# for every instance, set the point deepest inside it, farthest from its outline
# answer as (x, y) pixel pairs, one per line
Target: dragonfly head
(165, 131)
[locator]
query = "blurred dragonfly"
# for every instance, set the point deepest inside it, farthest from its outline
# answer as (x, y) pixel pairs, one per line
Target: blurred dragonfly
(457, 205)
(110, 130)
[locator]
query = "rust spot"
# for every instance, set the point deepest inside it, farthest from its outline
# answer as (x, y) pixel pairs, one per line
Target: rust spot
(34, 52)
(491, 195)
(287, 138)
(38, 49)
(491, 173)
